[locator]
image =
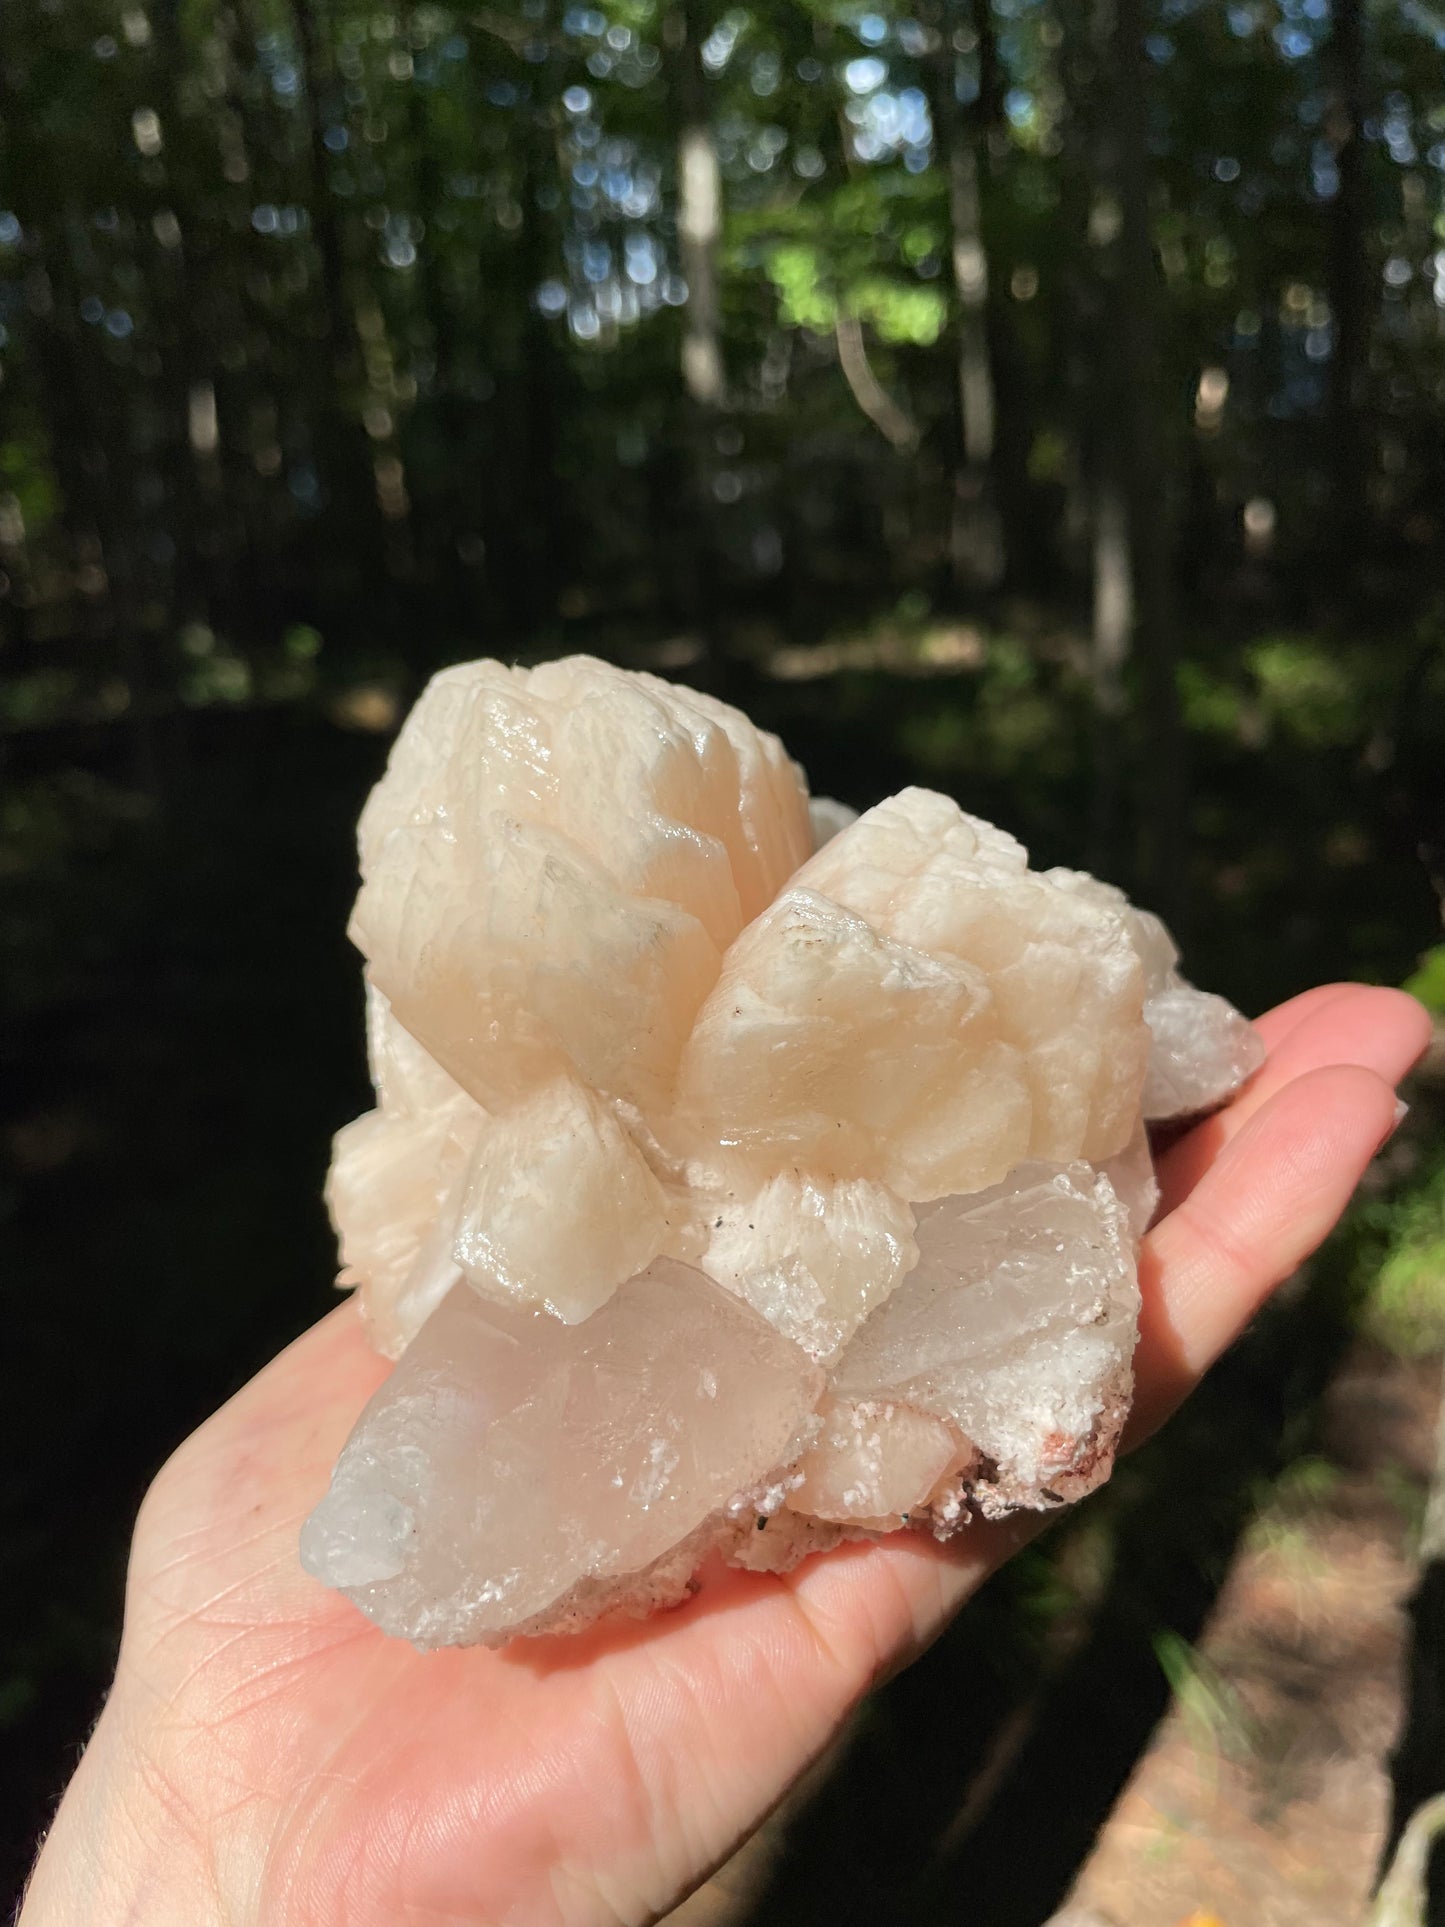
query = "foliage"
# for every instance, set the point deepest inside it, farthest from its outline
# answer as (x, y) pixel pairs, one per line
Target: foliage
(1428, 982)
(1405, 1293)
(1210, 1706)
(314, 314)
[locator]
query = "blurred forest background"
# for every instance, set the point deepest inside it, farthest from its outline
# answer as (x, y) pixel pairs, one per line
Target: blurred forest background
(1040, 399)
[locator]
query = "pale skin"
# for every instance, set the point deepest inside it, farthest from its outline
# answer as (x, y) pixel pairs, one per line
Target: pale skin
(267, 1758)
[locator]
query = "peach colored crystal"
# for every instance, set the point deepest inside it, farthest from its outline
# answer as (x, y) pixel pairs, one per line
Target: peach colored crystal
(723, 1197)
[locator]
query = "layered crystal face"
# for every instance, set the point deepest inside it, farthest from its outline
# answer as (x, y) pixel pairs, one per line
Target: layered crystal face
(744, 1174)
(1200, 1047)
(814, 1255)
(558, 1204)
(920, 1006)
(553, 865)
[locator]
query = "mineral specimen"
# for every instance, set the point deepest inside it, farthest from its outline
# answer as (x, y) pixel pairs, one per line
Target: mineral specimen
(745, 1175)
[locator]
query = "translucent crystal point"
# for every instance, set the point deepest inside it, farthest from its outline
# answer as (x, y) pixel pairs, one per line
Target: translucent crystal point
(518, 1473)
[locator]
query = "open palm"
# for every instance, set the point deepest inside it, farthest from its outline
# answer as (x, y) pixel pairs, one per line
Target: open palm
(267, 1757)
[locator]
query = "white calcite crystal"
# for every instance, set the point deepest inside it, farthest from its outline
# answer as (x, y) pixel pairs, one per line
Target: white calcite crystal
(1016, 1327)
(744, 1175)
(514, 1469)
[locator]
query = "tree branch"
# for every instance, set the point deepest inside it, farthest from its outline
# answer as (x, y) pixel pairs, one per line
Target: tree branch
(891, 420)
(1402, 1897)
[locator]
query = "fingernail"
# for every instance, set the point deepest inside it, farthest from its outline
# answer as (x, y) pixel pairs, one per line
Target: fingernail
(1402, 1111)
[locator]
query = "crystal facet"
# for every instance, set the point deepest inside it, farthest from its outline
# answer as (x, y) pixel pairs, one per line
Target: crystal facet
(920, 1006)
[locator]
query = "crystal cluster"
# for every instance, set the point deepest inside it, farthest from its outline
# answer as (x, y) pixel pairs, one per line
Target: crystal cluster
(744, 1175)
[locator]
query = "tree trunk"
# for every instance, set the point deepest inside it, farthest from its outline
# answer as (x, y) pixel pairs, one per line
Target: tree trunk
(543, 546)
(1349, 291)
(187, 396)
(438, 469)
(346, 461)
(1151, 537)
(704, 380)
(318, 71)
(892, 421)
(1111, 631)
(887, 414)
(1096, 531)
(961, 137)
(1124, 457)
(699, 206)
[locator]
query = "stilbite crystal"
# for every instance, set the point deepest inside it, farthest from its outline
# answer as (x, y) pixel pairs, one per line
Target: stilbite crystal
(813, 1255)
(559, 1206)
(520, 922)
(1201, 1049)
(721, 1197)
(394, 1179)
(920, 1006)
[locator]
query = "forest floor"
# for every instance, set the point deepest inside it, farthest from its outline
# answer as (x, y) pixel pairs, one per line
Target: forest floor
(1263, 1797)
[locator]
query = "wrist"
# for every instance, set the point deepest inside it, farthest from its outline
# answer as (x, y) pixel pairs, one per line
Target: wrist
(120, 1849)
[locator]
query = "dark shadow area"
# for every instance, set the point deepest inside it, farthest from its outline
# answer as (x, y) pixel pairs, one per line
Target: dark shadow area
(1417, 1765)
(181, 1041)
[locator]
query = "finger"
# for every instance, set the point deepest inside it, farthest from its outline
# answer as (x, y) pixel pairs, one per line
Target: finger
(1384, 1031)
(1274, 1025)
(887, 1603)
(1274, 1193)
(308, 1397)
(1265, 1202)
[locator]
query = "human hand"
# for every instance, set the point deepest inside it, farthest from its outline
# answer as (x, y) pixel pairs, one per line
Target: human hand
(267, 1758)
